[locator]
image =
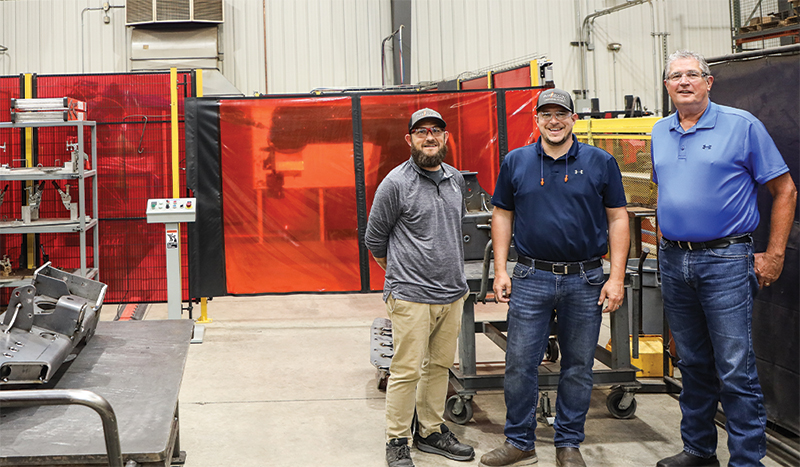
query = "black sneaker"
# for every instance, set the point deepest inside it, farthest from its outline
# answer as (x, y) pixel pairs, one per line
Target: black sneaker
(398, 454)
(445, 444)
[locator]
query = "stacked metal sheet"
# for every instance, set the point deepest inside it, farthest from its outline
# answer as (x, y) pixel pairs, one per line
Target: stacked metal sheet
(59, 109)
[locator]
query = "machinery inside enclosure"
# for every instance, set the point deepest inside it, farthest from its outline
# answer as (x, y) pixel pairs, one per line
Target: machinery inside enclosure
(132, 115)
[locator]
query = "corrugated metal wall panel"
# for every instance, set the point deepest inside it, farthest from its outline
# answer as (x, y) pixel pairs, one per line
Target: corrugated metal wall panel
(325, 43)
(242, 45)
(336, 43)
(450, 37)
(44, 36)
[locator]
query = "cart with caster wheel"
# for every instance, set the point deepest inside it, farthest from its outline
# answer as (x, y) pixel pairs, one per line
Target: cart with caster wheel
(465, 377)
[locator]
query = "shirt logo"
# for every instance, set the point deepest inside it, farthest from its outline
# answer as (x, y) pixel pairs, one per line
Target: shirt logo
(578, 171)
(706, 146)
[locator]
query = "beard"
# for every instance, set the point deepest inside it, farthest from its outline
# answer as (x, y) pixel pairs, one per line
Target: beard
(425, 161)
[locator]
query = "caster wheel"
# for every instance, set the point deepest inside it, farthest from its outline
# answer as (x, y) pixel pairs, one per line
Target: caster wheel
(551, 352)
(613, 403)
(459, 409)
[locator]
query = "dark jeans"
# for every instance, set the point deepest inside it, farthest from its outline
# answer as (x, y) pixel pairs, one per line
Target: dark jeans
(534, 296)
(708, 300)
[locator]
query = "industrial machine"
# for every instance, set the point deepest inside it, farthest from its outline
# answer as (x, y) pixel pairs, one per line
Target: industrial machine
(45, 322)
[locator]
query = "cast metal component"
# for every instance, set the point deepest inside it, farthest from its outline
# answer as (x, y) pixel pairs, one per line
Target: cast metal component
(5, 263)
(45, 321)
(3, 194)
(34, 199)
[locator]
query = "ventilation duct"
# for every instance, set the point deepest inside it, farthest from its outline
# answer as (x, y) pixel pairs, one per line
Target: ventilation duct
(140, 12)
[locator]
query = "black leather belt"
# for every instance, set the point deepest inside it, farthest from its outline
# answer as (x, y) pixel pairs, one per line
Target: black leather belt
(560, 268)
(723, 242)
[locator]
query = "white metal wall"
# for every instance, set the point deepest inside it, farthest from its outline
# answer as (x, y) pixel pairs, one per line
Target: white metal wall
(450, 37)
(336, 43)
(325, 43)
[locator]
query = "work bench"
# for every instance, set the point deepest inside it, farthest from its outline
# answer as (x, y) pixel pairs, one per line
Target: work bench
(137, 367)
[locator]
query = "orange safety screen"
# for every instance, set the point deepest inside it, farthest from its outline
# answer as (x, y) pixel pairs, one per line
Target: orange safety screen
(472, 145)
(289, 197)
(521, 117)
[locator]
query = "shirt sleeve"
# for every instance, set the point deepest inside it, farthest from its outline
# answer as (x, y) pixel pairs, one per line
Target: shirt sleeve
(614, 197)
(383, 216)
(503, 196)
(763, 158)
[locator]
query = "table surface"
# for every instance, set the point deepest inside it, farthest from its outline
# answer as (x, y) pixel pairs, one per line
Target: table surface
(138, 367)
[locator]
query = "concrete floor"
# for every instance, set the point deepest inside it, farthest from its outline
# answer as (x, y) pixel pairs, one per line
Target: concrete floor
(287, 381)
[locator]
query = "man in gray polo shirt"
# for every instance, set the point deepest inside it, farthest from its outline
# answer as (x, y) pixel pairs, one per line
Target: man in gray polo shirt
(414, 233)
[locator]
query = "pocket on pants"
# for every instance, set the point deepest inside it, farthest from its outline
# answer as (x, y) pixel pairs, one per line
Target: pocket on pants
(521, 271)
(594, 276)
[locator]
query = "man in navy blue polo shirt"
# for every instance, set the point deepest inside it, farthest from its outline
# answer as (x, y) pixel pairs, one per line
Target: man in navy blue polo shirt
(708, 161)
(565, 204)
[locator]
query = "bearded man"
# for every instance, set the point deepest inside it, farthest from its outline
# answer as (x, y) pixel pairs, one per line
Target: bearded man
(414, 234)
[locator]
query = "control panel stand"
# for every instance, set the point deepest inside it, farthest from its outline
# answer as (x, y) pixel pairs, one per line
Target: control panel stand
(171, 212)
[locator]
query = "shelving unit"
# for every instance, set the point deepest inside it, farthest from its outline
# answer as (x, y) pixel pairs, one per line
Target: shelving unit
(84, 223)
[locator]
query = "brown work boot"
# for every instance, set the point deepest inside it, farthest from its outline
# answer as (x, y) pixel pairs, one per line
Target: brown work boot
(569, 457)
(507, 455)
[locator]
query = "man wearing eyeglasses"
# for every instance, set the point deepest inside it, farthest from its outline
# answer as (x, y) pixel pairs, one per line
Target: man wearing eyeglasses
(565, 204)
(414, 233)
(708, 161)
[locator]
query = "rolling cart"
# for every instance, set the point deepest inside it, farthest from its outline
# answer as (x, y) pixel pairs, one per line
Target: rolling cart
(468, 381)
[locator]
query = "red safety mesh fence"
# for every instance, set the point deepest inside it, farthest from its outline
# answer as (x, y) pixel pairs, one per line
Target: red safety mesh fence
(289, 204)
(132, 112)
(10, 147)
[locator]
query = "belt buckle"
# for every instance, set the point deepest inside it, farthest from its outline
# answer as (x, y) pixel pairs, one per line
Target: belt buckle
(563, 271)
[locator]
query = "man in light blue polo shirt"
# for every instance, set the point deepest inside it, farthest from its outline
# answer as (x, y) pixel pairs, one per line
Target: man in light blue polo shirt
(708, 161)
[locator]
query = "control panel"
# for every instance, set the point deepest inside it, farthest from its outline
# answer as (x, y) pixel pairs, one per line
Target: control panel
(169, 210)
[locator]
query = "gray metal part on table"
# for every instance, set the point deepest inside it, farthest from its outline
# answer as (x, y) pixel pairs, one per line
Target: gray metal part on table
(138, 367)
(45, 322)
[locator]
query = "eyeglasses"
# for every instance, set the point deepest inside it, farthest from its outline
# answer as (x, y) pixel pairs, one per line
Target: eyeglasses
(546, 116)
(691, 75)
(422, 132)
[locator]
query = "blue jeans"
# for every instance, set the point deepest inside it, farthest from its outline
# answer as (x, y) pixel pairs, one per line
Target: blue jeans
(708, 300)
(535, 296)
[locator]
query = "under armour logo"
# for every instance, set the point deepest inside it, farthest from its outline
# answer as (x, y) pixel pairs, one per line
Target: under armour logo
(706, 146)
(579, 171)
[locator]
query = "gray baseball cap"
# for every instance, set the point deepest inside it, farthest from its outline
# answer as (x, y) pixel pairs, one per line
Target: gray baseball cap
(557, 97)
(423, 114)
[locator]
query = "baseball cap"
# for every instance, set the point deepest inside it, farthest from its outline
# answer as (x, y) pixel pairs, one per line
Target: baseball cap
(557, 97)
(422, 114)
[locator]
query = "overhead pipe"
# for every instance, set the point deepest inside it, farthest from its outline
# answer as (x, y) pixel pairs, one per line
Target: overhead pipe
(399, 33)
(585, 32)
(106, 7)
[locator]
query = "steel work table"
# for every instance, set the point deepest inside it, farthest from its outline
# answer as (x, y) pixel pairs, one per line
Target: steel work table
(138, 367)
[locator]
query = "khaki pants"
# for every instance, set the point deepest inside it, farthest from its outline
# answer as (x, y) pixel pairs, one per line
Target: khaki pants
(424, 338)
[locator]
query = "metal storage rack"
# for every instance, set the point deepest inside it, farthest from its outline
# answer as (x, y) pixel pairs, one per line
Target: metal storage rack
(85, 222)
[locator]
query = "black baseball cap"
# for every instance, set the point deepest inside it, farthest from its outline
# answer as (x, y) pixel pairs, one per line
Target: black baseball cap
(423, 114)
(557, 97)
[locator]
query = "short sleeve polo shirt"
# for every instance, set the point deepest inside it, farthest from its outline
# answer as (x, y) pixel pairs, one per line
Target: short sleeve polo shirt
(708, 175)
(560, 220)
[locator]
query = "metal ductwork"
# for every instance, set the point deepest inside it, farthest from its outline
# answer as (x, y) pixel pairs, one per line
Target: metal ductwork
(139, 12)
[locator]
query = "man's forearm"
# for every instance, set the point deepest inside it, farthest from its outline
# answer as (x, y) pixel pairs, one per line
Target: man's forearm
(782, 215)
(502, 222)
(619, 242)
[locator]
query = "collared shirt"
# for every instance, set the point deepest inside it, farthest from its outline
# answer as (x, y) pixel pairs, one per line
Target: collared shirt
(708, 175)
(415, 223)
(560, 220)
